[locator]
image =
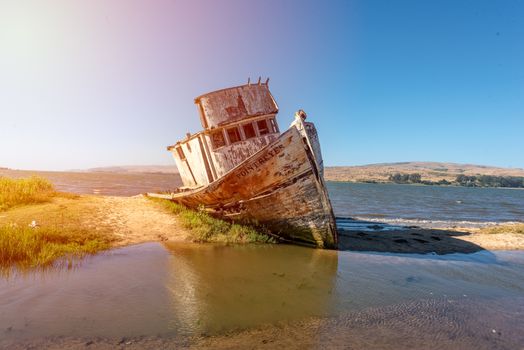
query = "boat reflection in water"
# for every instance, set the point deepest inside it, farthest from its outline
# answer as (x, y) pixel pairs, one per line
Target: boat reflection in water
(217, 288)
(184, 290)
(177, 291)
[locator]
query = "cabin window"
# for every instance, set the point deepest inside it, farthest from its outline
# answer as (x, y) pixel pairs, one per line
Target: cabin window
(262, 127)
(249, 131)
(273, 124)
(180, 152)
(217, 138)
(233, 134)
(188, 147)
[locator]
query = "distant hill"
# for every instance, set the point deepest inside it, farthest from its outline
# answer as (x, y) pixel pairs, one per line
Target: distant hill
(148, 169)
(429, 171)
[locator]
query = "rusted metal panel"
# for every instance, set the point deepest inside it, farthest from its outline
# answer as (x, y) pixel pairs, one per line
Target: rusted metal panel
(229, 105)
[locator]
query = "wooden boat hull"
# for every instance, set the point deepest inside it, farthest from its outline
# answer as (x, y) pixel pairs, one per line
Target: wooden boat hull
(280, 187)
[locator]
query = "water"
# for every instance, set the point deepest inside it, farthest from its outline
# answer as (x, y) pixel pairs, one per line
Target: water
(179, 290)
(103, 183)
(426, 206)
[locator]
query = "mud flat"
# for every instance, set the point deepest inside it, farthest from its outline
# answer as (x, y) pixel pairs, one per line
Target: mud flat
(426, 240)
(374, 328)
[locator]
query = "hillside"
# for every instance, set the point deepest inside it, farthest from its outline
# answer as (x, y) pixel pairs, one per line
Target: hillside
(429, 171)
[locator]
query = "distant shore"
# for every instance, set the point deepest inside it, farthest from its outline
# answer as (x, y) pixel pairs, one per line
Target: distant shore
(429, 173)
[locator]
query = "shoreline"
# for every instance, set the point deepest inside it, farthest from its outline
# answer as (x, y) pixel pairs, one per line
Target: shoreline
(116, 221)
(127, 220)
(136, 219)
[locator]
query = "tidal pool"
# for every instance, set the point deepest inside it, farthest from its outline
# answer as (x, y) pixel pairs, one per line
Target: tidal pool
(182, 290)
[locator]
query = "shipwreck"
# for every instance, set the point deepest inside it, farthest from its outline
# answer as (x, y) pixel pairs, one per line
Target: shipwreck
(241, 167)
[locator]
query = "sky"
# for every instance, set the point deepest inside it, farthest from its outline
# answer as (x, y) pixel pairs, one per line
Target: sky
(111, 82)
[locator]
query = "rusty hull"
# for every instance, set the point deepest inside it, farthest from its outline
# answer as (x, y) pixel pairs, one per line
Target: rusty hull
(280, 187)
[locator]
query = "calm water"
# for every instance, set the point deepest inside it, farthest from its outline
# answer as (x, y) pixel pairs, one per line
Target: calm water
(426, 206)
(179, 290)
(103, 183)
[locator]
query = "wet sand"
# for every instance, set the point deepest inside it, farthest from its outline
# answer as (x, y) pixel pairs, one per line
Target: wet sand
(424, 324)
(423, 241)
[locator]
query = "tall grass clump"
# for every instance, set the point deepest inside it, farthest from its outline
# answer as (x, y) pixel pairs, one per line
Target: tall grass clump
(205, 228)
(27, 247)
(32, 190)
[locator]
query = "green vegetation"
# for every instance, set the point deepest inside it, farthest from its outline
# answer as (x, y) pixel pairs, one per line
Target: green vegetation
(490, 181)
(461, 180)
(405, 178)
(42, 225)
(512, 228)
(41, 246)
(205, 228)
(14, 192)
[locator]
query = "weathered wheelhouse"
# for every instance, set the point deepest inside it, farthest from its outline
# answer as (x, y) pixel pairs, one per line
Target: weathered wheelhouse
(237, 122)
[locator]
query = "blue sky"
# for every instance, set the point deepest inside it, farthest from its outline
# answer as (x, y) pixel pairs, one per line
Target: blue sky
(96, 83)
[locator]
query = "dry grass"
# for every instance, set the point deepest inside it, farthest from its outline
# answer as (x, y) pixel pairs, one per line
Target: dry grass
(41, 246)
(15, 192)
(62, 232)
(512, 228)
(204, 228)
